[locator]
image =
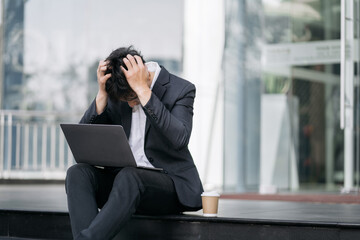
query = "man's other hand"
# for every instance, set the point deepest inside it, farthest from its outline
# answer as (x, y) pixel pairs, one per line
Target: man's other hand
(101, 97)
(101, 77)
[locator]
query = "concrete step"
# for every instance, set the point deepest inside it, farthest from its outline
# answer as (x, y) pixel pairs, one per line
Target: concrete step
(55, 225)
(40, 212)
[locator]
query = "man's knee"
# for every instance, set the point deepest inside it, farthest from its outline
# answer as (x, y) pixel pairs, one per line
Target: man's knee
(128, 176)
(78, 173)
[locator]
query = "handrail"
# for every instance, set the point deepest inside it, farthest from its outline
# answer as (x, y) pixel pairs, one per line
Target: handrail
(37, 113)
(32, 144)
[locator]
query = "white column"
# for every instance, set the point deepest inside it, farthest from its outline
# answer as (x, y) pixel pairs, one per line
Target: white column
(204, 23)
(348, 96)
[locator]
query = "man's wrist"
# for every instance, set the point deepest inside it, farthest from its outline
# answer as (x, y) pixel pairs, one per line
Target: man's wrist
(101, 101)
(144, 95)
(140, 89)
(101, 95)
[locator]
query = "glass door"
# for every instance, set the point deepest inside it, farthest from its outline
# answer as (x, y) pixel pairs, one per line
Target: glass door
(302, 57)
(305, 110)
(349, 95)
(312, 53)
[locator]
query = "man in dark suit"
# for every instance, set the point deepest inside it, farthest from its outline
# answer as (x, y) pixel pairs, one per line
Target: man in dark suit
(156, 109)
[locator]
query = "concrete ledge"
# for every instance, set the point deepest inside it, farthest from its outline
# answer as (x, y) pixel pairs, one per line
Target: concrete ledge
(56, 225)
(40, 212)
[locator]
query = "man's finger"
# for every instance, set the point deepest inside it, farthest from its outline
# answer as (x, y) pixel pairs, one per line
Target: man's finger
(123, 70)
(127, 63)
(133, 61)
(106, 77)
(103, 63)
(139, 61)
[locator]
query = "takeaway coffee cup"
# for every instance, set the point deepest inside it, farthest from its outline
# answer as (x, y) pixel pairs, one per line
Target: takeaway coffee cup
(210, 201)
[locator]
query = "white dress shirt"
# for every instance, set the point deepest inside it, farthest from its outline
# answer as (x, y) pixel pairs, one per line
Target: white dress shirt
(138, 121)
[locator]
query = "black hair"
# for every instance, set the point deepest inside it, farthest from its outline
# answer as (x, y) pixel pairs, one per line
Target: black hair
(117, 86)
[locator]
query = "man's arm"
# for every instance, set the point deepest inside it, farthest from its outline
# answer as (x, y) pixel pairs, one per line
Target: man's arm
(175, 126)
(92, 117)
(96, 112)
(102, 96)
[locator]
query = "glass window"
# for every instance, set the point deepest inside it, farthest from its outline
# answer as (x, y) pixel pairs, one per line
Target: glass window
(50, 50)
(282, 96)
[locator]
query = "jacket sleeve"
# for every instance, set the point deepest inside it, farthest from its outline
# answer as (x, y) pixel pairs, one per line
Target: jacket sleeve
(91, 116)
(174, 125)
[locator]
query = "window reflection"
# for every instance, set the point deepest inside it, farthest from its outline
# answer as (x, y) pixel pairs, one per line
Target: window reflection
(52, 48)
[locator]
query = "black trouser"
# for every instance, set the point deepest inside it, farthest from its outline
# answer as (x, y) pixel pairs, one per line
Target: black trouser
(119, 193)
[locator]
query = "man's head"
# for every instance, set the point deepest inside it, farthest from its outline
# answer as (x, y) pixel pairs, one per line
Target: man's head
(117, 86)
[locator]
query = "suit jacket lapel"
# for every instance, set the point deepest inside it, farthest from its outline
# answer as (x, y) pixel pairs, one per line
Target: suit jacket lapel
(159, 89)
(126, 114)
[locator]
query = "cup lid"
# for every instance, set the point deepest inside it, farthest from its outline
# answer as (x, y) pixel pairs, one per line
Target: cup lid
(211, 194)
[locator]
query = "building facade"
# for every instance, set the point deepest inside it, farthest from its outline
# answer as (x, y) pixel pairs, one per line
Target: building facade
(277, 106)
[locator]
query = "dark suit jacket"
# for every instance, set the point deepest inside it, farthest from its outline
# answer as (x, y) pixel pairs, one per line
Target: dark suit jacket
(169, 115)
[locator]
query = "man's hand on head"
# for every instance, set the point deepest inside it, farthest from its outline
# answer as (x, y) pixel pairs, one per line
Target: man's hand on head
(101, 76)
(138, 77)
(101, 97)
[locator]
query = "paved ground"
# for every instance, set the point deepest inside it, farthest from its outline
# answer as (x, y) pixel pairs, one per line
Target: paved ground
(41, 197)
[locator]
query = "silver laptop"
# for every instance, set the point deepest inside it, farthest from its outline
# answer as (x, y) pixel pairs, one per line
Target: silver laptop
(100, 145)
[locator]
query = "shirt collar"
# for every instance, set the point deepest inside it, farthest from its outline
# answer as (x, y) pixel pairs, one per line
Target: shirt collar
(153, 67)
